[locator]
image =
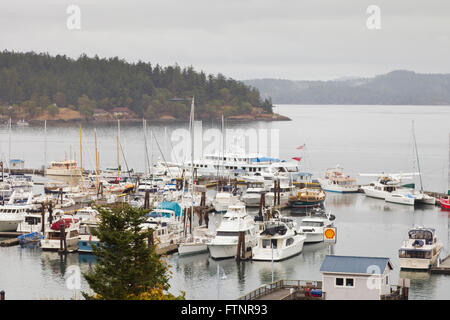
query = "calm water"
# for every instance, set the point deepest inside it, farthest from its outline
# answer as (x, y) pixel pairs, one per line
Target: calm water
(362, 139)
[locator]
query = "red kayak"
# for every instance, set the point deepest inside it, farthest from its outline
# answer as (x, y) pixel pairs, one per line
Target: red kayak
(445, 203)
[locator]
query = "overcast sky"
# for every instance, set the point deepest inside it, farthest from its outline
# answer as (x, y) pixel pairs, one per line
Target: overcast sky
(243, 39)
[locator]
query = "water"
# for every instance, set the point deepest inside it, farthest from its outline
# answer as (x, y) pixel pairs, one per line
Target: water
(365, 139)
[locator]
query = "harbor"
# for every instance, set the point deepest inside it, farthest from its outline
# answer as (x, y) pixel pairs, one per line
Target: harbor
(366, 226)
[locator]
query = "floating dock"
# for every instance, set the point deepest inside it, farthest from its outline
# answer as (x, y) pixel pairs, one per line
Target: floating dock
(443, 268)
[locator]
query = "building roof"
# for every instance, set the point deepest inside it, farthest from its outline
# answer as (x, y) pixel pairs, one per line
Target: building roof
(353, 264)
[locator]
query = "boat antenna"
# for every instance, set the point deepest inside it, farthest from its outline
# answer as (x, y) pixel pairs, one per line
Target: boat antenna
(417, 156)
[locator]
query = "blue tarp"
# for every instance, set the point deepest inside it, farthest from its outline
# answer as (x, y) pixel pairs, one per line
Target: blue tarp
(265, 159)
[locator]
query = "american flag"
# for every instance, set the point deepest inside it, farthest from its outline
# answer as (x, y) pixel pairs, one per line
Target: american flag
(301, 147)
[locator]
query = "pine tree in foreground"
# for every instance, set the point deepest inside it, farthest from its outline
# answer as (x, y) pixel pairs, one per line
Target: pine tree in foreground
(128, 267)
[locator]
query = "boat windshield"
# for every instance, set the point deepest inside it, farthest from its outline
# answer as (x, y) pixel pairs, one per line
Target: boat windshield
(426, 235)
(415, 254)
(227, 233)
(312, 224)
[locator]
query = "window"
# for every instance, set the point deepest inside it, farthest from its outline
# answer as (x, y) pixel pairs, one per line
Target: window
(339, 282)
(349, 282)
(387, 280)
(289, 242)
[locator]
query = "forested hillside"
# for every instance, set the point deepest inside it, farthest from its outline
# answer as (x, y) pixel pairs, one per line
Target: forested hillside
(396, 88)
(34, 84)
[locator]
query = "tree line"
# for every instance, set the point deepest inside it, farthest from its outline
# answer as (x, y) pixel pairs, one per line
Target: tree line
(33, 84)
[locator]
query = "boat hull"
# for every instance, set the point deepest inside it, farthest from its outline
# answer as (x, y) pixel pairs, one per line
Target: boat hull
(54, 245)
(265, 254)
(185, 249)
(9, 225)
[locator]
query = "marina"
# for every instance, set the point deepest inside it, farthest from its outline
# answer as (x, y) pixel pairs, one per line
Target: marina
(260, 252)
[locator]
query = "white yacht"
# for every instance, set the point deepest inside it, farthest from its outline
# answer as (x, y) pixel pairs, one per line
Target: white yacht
(223, 200)
(52, 237)
(252, 195)
(286, 191)
(312, 227)
(421, 251)
(336, 181)
(235, 220)
(388, 187)
(278, 241)
(13, 213)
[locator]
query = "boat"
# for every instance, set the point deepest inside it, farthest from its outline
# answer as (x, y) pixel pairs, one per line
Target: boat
(234, 221)
(278, 241)
(307, 198)
(52, 236)
(421, 251)
(336, 181)
(252, 195)
(286, 191)
(63, 168)
(30, 238)
(312, 226)
(13, 213)
(388, 187)
(223, 200)
(22, 123)
(195, 243)
(445, 203)
(86, 238)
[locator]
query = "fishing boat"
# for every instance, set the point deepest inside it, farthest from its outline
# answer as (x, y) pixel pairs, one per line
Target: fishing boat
(312, 226)
(53, 238)
(421, 251)
(278, 241)
(307, 198)
(235, 221)
(336, 181)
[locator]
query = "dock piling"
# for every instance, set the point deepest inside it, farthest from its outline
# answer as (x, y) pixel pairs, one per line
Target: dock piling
(2, 295)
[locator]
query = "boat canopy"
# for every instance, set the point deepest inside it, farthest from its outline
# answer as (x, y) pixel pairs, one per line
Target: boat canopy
(265, 159)
(422, 234)
(171, 205)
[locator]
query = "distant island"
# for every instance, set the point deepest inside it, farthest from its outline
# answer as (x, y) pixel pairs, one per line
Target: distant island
(37, 87)
(395, 88)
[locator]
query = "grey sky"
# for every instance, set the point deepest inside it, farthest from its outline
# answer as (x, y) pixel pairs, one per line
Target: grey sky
(243, 39)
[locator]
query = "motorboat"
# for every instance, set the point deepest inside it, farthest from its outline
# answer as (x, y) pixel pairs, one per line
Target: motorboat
(235, 221)
(335, 180)
(223, 200)
(13, 213)
(445, 203)
(252, 195)
(278, 241)
(421, 251)
(286, 191)
(52, 237)
(307, 198)
(312, 226)
(86, 237)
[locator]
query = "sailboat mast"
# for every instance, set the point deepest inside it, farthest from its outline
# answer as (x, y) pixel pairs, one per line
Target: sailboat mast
(145, 146)
(9, 147)
(81, 157)
(118, 153)
(45, 144)
(417, 156)
(96, 159)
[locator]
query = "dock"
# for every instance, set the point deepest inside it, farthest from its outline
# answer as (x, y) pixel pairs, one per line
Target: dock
(285, 290)
(12, 241)
(443, 268)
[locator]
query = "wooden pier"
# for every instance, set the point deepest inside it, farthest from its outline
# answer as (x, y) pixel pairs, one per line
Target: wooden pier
(286, 290)
(443, 268)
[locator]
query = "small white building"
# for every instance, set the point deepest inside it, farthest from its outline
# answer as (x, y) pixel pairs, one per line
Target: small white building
(355, 278)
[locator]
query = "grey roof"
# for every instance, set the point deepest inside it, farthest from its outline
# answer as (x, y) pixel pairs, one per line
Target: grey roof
(357, 265)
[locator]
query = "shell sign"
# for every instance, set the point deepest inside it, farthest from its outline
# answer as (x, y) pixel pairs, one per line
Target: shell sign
(329, 234)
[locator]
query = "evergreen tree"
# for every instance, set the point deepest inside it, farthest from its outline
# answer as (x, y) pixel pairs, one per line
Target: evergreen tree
(128, 267)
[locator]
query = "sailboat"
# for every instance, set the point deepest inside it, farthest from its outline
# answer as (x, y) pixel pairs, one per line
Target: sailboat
(196, 241)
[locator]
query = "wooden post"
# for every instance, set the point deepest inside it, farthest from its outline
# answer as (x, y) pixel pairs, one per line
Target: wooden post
(206, 217)
(43, 218)
(60, 195)
(203, 200)
(147, 200)
(61, 236)
(262, 204)
(243, 244)
(2, 295)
